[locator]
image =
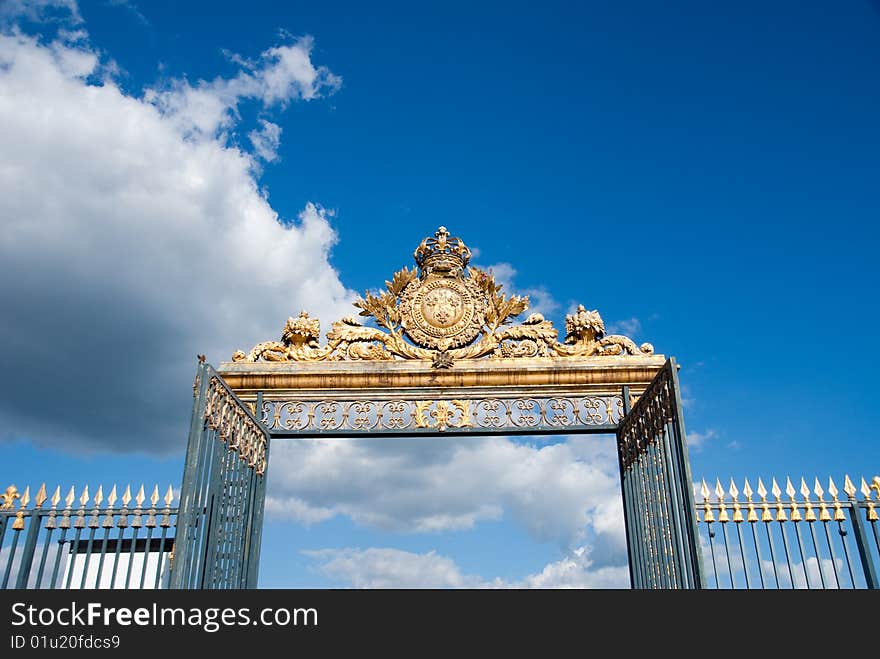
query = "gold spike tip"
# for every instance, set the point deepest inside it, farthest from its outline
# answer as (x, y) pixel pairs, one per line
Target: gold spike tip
(762, 491)
(704, 490)
(865, 490)
(832, 488)
(126, 496)
(154, 497)
(111, 499)
(775, 490)
(169, 496)
(41, 496)
(139, 499)
(71, 495)
(875, 485)
(848, 487)
(817, 489)
(747, 490)
(25, 498)
(99, 496)
(84, 497)
(719, 491)
(56, 496)
(805, 491)
(732, 490)
(789, 488)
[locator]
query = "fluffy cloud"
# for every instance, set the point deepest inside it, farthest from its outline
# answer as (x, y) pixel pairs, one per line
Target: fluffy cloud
(563, 493)
(540, 299)
(393, 568)
(134, 237)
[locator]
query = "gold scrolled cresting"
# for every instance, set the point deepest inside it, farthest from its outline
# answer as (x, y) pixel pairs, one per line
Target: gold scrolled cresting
(442, 311)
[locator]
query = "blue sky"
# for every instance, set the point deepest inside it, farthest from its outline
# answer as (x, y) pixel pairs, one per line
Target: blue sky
(180, 180)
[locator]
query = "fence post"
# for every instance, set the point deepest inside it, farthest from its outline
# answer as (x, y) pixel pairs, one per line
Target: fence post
(861, 536)
(27, 554)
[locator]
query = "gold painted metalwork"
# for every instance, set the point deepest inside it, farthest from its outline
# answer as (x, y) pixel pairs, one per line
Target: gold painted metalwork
(781, 515)
(8, 497)
(870, 513)
(838, 509)
(481, 413)
(824, 515)
(442, 311)
(708, 515)
(234, 426)
(752, 516)
(737, 511)
(795, 510)
(766, 515)
(722, 508)
(809, 513)
(18, 524)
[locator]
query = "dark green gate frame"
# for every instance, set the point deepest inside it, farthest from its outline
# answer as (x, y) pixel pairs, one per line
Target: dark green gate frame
(657, 490)
(222, 498)
(223, 492)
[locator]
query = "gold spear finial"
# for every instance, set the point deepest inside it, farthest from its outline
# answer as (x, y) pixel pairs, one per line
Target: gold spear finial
(824, 515)
(790, 491)
(722, 509)
(25, 498)
(41, 496)
(169, 496)
(870, 513)
(737, 511)
(838, 509)
(810, 514)
(781, 515)
(747, 490)
(56, 497)
(154, 497)
(71, 496)
(848, 487)
(126, 496)
(708, 515)
(765, 507)
(84, 497)
(111, 500)
(99, 496)
(139, 499)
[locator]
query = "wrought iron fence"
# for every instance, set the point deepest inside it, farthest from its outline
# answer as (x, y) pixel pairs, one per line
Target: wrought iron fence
(790, 541)
(95, 545)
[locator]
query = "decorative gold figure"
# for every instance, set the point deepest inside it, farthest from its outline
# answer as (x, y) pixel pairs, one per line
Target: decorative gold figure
(442, 311)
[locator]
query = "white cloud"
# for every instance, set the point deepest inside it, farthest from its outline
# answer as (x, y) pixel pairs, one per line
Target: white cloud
(41, 10)
(128, 247)
(696, 441)
(540, 299)
(266, 140)
(564, 493)
(281, 75)
(629, 327)
(384, 567)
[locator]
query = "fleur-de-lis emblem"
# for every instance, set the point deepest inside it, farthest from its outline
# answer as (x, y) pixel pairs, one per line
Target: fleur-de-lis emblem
(8, 497)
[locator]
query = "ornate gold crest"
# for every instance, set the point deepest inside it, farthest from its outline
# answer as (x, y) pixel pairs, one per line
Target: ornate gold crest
(443, 311)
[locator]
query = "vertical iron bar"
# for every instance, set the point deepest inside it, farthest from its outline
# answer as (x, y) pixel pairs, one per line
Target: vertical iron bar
(843, 534)
(103, 553)
(696, 565)
(742, 553)
(189, 509)
(767, 525)
(135, 532)
(161, 557)
(787, 553)
(727, 553)
(833, 555)
(675, 509)
(147, 547)
(797, 530)
(862, 545)
(27, 553)
(11, 559)
(627, 511)
(47, 541)
(120, 536)
(82, 582)
(712, 550)
(58, 554)
(758, 554)
(818, 553)
(71, 560)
